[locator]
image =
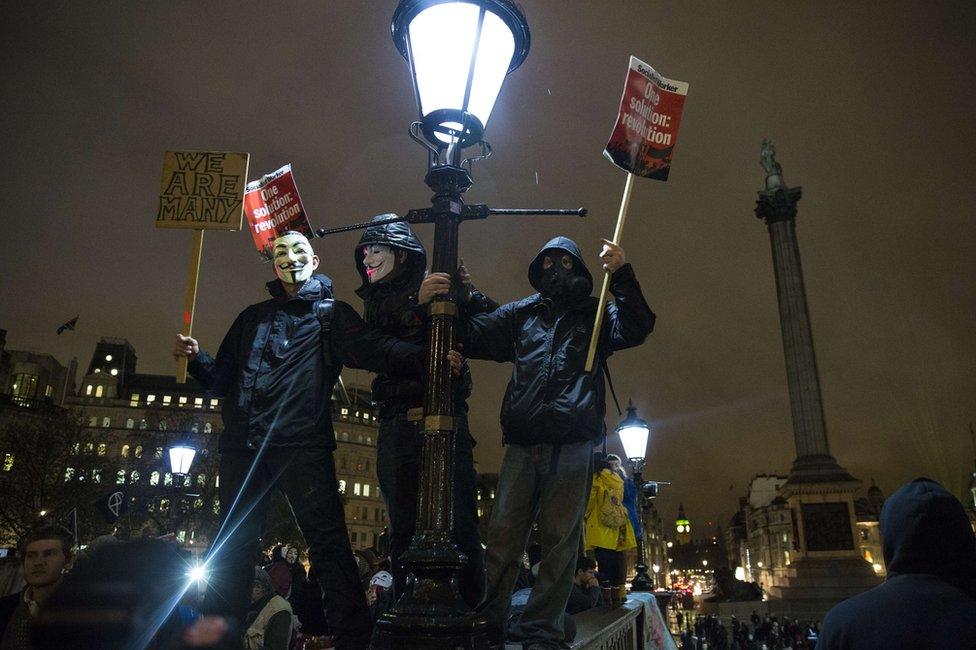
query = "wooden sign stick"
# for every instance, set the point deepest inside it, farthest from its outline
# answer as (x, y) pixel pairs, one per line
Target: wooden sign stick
(191, 299)
(601, 305)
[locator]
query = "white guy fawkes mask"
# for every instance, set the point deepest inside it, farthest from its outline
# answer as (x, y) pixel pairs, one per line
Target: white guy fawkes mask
(379, 261)
(294, 259)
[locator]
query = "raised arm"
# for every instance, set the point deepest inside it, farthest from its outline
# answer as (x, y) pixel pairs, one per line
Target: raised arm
(629, 319)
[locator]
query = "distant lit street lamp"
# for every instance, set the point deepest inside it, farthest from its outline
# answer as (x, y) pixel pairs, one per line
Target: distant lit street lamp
(633, 432)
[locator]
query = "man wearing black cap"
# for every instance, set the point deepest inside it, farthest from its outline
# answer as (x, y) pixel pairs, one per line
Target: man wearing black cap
(396, 290)
(551, 416)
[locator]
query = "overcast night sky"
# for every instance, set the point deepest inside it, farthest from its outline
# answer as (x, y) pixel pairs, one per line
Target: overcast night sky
(869, 106)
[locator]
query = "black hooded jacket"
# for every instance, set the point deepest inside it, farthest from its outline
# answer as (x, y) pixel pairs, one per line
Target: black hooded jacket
(929, 597)
(390, 307)
(272, 373)
(550, 399)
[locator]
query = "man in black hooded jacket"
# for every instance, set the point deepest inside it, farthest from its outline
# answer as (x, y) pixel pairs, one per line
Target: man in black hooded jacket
(275, 372)
(395, 291)
(928, 599)
(552, 415)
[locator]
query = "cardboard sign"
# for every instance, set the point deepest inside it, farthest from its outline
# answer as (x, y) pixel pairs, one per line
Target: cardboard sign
(646, 130)
(202, 190)
(272, 205)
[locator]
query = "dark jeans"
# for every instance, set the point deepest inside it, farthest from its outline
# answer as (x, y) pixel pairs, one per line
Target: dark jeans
(610, 564)
(307, 479)
(399, 454)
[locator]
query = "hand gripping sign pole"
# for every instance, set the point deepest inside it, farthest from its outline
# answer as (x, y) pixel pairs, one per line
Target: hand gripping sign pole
(642, 143)
(201, 190)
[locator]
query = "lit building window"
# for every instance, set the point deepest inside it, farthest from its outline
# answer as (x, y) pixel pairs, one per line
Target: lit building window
(76, 448)
(167, 399)
(138, 451)
(129, 423)
(125, 451)
(106, 422)
(120, 477)
(93, 421)
(134, 399)
(69, 473)
(96, 475)
(182, 400)
(88, 389)
(217, 481)
(8, 462)
(216, 506)
(197, 504)
(366, 489)
(49, 390)
(207, 427)
(198, 403)
(167, 479)
(150, 399)
(89, 447)
(158, 453)
(214, 403)
(342, 486)
(154, 478)
(98, 391)
(143, 424)
(201, 479)
(344, 412)
(134, 476)
(102, 448)
(164, 504)
(357, 489)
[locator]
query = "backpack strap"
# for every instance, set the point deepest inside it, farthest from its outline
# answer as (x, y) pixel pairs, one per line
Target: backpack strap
(324, 309)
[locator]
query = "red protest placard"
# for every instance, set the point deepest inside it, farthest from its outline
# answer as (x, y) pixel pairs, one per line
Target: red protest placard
(646, 130)
(272, 206)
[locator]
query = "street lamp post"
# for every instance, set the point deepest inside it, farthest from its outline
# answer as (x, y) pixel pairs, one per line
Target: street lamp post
(633, 432)
(459, 53)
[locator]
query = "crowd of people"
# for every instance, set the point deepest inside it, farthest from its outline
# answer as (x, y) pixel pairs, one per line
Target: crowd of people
(767, 632)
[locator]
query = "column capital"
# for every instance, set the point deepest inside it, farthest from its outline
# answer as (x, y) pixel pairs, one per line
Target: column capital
(778, 204)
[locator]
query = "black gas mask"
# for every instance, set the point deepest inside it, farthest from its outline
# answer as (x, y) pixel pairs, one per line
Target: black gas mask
(561, 281)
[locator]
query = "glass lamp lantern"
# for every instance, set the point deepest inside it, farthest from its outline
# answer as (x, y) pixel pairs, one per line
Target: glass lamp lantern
(633, 432)
(459, 52)
(181, 457)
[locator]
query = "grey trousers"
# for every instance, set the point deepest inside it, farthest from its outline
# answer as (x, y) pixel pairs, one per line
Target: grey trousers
(548, 484)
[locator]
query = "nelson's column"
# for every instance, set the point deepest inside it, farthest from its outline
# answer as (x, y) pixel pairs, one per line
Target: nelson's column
(826, 565)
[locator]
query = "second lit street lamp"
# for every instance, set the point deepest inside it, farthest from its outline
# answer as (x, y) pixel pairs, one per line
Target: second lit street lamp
(633, 432)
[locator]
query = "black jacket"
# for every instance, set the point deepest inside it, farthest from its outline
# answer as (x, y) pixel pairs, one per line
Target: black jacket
(549, 398)
(271, 368)
(391, 308)
(929, 597)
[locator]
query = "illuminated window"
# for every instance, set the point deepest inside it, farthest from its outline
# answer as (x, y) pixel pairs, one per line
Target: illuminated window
(357, 489)
(164, 504)
(89, 447)
(201, 479)
(134, 476)
(76, 448)
(96, 475)
(167, 479)
(197, 504)
(120, 477)
(207, 427)
(216, 506)
(134, 399)
(102, 448)
(167, 399)
(143, 424)
(217, 481)
(158, 453)
(49, 390)
(125, 451)
(154, 478)
(69, 473)
(106, 422)
(98, 391)
(198, 403)
(93, 421)
(129, 423)
(150, 399)
(214, 403)
(342, 486)
(8, 462)
(182, 400)
(88, 389)
(138, 451)
(366, 489)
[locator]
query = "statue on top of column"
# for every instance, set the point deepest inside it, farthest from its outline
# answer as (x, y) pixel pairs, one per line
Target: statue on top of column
(774, 171)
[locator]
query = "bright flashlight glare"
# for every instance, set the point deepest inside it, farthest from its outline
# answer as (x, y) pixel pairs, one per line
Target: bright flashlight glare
(197, 573)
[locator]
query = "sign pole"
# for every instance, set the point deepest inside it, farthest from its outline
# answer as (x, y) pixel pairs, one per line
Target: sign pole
(600, 306)
(191, 299)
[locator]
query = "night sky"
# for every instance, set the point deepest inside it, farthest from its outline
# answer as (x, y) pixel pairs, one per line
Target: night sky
(869, 106)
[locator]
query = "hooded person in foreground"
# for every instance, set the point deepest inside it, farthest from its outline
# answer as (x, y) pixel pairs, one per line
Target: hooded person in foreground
(552, 415)
(928, 599)
(396, 293)
(275, 372)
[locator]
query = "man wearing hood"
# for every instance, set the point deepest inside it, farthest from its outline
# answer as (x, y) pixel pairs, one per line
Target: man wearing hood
(275, 372)
(396, 289)
(552, 415)
(928, 599)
